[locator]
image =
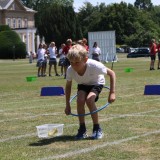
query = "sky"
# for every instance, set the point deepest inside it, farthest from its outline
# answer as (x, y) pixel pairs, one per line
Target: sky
(79, 3)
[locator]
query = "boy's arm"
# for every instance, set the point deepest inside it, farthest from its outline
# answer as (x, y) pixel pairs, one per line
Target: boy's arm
(68, 94)
(112, 76)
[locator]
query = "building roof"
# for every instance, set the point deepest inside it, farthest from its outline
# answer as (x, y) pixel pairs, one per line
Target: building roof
(4, 4)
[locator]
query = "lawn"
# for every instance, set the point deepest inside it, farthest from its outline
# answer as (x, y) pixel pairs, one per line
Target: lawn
(131, 125)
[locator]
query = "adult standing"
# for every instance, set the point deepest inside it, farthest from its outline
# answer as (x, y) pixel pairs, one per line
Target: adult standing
(158, 48)
(96, 52)
(65, 52)
(52, 58)
(153, 51)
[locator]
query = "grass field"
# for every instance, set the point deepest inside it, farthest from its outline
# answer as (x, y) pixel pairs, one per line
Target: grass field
(131, 125)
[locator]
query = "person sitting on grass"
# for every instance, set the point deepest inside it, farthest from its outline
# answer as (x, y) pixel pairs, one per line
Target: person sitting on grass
(89, 74)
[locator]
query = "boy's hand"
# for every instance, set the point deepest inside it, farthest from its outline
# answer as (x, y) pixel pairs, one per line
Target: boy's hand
(67, 110)
(111, 97)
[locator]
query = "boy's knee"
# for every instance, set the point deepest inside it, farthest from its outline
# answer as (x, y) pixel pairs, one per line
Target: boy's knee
(90, 101)
(80, 100)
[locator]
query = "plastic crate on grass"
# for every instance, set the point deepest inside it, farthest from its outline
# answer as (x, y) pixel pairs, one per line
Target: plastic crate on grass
(49, 130)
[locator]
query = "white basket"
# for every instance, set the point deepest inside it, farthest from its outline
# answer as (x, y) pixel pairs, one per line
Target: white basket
(49, 130)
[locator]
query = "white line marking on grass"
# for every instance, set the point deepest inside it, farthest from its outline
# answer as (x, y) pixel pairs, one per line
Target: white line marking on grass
(23, 101)
(30, 117)
(59, 113)
(59, 104)
(133, 114)
(36, 107)
(17, 137)
(90, 149)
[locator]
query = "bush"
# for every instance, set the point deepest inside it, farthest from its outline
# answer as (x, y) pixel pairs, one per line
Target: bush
(4, 28)
(11, 45)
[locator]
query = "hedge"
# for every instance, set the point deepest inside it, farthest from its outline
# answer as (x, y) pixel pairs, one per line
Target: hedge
(11, 45)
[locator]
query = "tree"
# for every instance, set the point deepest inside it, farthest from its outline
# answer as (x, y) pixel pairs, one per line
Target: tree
(61, 23)
(143, 4)
(39, 5)
(89, 17)
(13, 46)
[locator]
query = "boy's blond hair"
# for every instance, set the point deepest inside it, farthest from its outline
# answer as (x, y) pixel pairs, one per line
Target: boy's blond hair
(77, 52)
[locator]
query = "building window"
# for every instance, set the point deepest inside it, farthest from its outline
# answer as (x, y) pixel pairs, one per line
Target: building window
(8, 22)
(25, 23)
(14, 23)
(19, 23)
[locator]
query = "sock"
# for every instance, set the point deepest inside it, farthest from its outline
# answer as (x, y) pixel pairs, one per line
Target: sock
(96, 127)
(82, 127)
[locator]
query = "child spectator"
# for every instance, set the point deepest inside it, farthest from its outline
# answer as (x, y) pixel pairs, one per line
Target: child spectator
(52, 58)
(61, 58)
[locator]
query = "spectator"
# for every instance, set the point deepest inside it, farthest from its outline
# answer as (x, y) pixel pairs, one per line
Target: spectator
(61, 58)
(65, 52)
(158, 48)
(45, 58)
(30, 57)
(40, 60)
(96, 52)
(52, 58)
(84, 40)
(153, 51)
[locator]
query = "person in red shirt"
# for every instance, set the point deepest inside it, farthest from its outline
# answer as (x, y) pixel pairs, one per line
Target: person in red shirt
(153, 51)
(65, 52)
(158, 48)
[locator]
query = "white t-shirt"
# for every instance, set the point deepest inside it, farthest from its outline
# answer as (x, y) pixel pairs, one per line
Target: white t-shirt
(52, 52)
(61, 53)
(93, 75)
(96, 50)
(41, 53)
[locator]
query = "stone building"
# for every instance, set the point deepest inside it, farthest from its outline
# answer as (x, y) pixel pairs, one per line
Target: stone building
(21, 20)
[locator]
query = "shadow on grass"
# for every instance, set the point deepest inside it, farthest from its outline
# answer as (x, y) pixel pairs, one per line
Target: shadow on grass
(48, 141)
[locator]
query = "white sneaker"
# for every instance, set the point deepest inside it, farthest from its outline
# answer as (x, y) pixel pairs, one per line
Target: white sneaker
(97, 134)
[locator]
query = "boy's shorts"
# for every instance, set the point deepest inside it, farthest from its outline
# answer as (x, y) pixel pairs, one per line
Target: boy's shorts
(89, 88)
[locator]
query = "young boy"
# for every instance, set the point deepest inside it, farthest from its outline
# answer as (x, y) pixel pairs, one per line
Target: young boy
(89, 74)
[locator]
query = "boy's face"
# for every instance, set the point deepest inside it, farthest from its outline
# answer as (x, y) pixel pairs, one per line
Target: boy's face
(78, 65)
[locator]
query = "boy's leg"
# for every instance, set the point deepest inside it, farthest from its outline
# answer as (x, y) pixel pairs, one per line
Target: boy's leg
(90, 101)
(97, 131)
(81, 96)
